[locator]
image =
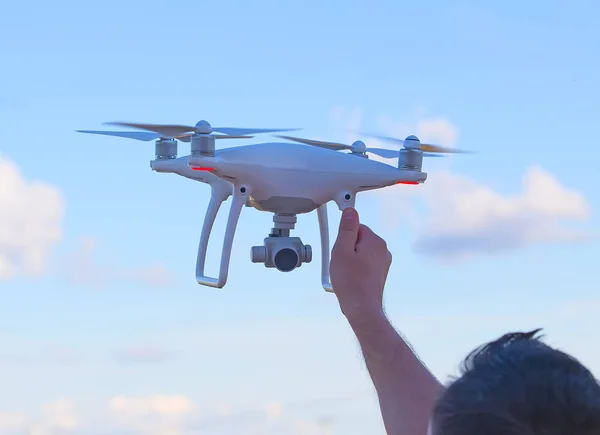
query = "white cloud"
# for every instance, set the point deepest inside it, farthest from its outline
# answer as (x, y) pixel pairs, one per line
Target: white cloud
(31, 220)
(155, 415)
(31, 214)
(81, 268)
(437, 130)
(466, 218)
(345, 119)
(12, 421)
(60, 415)
(57, 417)
(173, 407)
(457, 217)
(274, 410)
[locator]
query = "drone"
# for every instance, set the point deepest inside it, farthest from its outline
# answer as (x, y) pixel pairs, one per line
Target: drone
(283, 178)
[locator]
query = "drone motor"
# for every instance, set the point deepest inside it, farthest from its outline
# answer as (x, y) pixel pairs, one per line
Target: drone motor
(410, 157)
(410, 160)
(203, 142)
(165, 149)
(203, 145)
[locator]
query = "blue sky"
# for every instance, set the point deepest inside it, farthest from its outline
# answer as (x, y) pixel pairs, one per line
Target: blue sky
(513, 81)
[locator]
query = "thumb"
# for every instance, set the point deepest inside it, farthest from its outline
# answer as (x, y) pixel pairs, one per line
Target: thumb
(348, 232)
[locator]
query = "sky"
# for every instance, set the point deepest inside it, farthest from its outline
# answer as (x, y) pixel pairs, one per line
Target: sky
(104, 329)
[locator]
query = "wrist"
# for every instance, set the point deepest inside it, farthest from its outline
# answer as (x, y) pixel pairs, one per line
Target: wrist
(379, 341)
(363, 316)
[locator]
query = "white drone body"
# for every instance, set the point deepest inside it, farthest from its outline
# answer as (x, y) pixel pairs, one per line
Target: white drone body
(286, 179)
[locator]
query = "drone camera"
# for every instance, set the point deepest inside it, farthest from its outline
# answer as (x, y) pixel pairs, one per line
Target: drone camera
(283, 253)
(165, 149)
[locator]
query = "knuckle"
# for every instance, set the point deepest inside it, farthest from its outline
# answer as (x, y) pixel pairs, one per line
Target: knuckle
(381, 243)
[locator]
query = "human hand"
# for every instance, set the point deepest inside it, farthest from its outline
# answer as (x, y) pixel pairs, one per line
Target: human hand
(360, 262)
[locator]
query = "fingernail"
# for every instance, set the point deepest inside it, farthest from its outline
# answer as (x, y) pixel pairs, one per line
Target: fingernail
(349, 215)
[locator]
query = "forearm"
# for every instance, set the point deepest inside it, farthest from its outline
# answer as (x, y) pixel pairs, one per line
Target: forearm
(406, 389)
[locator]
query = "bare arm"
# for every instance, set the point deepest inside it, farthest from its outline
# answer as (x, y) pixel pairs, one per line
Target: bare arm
(360, 262)
(405, 387)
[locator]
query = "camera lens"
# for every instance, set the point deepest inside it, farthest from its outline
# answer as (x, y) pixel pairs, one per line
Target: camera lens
(286, 260)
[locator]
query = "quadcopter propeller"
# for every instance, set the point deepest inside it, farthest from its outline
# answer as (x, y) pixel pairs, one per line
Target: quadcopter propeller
(183, 133)
(148, 136)
(144, 136)
(413, 142)
(356, 147)
(202, 127)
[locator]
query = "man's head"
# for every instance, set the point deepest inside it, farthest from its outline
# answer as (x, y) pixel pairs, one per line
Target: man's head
(517, 385)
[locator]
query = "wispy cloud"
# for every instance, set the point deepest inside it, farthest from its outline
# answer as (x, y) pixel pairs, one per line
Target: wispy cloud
(150, 353)
(57, 355)
(80, 267)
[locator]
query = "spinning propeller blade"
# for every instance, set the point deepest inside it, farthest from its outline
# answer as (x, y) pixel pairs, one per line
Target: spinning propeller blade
(424, 147)
(382, 152)
(392, 154)
(137, 135)
(183, 133)
(162, 130)
(169, 130)
(224, 136)
(188, 137)
(318, 143)
(230, 131)
(147, 136)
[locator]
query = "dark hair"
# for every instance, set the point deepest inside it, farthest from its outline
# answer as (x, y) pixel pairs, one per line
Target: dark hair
(518, 385)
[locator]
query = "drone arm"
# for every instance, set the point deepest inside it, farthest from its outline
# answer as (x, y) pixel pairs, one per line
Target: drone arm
(217, 198)
(324, 226)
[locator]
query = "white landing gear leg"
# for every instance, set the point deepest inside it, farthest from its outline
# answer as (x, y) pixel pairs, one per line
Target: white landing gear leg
(239, 200)
(324, 226)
